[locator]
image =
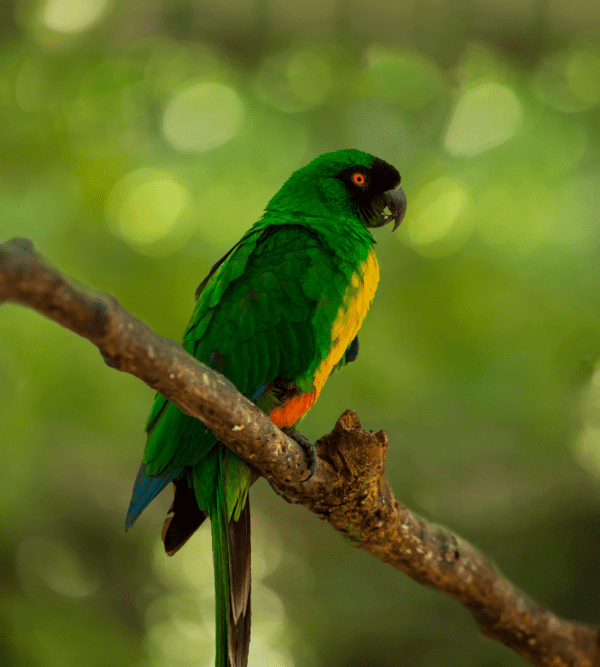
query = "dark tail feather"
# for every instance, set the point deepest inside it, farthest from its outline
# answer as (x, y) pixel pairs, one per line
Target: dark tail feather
(186, 519)
(239, 578)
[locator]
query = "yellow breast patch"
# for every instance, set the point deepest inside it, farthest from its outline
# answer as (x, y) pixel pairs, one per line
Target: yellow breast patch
(351, 314)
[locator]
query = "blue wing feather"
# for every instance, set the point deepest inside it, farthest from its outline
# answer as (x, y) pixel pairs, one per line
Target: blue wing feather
(145, 489)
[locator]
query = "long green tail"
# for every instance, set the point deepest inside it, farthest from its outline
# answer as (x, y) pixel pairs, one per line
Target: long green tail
(220, 543)
(231, 560)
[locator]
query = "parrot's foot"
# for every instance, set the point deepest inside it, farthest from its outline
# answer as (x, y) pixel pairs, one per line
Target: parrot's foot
(309, 449)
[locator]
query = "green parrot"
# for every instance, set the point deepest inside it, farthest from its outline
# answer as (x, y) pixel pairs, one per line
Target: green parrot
(276, 315)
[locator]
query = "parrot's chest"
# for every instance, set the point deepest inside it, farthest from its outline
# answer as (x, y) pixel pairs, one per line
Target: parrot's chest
(346, 323)
(355, 303)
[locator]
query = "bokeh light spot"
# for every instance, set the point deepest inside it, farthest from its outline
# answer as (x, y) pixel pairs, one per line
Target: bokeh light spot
(484, 117)
(569, 80)
(583, 76)
(147, 208)
(309, 77)
(437, 224)
(294, 80)
(150, 211)
(203, 116)
(70, 16)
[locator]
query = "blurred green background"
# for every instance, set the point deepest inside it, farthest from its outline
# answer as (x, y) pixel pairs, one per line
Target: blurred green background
(139, 140)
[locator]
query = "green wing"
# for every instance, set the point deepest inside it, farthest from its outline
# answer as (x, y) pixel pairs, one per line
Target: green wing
(264, 312)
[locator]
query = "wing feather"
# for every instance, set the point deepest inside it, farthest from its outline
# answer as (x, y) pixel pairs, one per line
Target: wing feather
(254, 322)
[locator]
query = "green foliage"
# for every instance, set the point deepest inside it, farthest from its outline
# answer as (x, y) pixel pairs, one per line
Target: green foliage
(139, 142)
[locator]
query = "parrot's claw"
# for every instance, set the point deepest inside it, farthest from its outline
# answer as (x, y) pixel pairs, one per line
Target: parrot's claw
(309, 449)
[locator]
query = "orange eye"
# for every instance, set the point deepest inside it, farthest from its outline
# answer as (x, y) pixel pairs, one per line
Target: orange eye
(358, 178)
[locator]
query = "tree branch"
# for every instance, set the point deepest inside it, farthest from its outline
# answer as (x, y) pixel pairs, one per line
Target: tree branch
(349, 490)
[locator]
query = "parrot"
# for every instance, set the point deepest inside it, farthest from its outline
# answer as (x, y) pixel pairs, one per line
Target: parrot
(275, 315)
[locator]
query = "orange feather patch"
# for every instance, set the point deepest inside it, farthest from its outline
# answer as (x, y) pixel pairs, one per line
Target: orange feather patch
(288, 414)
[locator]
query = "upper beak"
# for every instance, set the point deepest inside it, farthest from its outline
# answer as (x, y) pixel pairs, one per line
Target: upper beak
(395, 200)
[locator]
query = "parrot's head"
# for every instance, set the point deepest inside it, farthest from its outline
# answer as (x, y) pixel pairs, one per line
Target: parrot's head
(347, 182)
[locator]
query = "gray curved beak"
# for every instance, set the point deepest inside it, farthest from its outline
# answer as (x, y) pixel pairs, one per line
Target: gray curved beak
(395, 200)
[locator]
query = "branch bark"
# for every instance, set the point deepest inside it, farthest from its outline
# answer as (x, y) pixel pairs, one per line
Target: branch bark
(349, 490)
